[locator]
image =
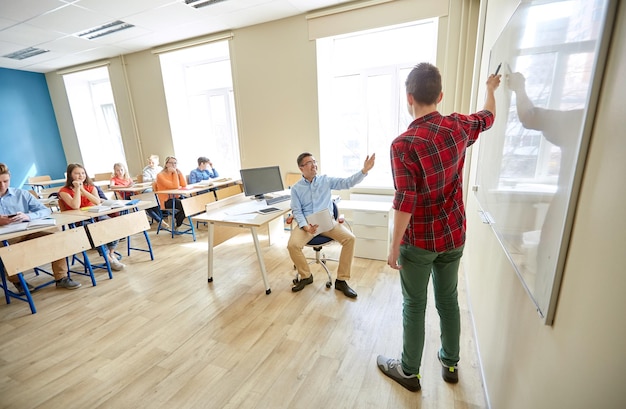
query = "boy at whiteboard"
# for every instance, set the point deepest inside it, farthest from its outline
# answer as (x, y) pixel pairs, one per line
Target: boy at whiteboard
(429, 219)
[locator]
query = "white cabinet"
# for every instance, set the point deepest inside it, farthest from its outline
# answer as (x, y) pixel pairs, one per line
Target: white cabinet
(370, 222)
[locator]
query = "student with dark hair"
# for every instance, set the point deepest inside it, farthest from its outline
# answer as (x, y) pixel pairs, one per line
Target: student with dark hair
(79, 191)
(429, 219)
(204, 171)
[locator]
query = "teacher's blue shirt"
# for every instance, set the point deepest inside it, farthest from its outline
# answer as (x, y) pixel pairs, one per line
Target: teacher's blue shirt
(310, 197)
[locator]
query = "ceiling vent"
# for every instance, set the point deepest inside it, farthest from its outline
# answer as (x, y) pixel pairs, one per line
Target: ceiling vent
(196, 4)
(104, 30)
(26, 53)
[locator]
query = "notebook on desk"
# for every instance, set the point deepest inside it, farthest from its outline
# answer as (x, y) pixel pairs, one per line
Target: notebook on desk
(33, 224)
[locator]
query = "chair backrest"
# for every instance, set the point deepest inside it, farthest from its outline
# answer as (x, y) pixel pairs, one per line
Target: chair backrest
(102, 176)
(23, 256)
(291, 178)
(197, 204)
(35, 179)
(109, 194)
(106, 231)
(50, 191)
(228, 191)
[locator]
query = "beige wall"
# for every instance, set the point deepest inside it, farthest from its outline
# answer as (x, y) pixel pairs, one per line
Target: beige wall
(578, 361)
(274, 75)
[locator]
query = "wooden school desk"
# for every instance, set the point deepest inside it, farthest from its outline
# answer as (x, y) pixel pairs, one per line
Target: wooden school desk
(240, 211)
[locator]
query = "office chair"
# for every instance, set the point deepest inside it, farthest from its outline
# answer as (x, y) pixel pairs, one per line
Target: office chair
(317, 243)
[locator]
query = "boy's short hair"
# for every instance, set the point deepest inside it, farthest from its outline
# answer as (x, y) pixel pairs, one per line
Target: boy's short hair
(424, 83)
(203, 159)
(4, 169)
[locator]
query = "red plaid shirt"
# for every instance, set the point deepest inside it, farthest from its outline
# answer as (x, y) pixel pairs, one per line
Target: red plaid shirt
(427, 162)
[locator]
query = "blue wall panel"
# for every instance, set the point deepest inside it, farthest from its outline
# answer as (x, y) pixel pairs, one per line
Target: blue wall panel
(30, 143)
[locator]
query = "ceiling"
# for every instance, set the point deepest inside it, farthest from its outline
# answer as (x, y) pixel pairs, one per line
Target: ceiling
(55, 25)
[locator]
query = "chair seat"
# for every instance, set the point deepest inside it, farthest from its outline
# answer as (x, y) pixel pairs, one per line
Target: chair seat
(319, 240)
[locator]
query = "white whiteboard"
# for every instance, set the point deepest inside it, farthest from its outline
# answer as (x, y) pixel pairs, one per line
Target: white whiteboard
(530, 162)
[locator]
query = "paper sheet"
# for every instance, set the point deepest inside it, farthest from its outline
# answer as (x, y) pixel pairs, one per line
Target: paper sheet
(323, 219)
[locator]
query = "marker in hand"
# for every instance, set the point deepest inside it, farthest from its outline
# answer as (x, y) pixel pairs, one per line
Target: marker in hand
(498, 69)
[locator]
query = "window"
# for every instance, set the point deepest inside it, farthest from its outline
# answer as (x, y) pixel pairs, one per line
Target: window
(362, 96)
(95, 119)
(201, 106)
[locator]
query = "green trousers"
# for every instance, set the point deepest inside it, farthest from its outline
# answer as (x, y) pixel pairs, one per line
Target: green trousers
(417, 266)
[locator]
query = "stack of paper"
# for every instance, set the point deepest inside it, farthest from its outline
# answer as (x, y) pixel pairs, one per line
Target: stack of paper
(322, 219)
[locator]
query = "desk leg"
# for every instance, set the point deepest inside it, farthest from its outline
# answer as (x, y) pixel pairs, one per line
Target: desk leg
(173, 218)
(210, 252)
(259, 256)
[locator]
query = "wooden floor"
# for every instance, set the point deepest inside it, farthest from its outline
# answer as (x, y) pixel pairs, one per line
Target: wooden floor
(159, 336)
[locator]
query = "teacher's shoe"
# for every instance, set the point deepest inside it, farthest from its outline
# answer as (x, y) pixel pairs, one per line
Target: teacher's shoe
(302, 283)
(67, 283)
(393, 369)
(342, 286)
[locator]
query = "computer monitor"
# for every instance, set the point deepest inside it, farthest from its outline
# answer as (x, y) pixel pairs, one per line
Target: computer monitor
(259, 181)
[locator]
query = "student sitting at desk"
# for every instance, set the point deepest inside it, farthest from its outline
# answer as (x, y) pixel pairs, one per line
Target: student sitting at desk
(171, 178)
(17, 206)
(78, 192)
(121, 179)
(152, 169)
(202, 173)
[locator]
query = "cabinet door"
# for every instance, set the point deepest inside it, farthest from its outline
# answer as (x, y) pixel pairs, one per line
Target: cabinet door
(373, 249)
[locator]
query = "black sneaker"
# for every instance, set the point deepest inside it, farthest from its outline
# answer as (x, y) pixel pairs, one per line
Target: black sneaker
(393, 369)
(20, 289)
(449, 374)
(302, 283)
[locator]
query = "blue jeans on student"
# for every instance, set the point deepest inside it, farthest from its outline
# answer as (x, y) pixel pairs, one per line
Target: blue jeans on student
(417, 266)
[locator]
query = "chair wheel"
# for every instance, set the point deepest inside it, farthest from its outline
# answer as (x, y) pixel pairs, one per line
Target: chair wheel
(328, 284)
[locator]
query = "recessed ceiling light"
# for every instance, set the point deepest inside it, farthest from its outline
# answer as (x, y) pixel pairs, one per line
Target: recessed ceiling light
(103, 30)
(26, 53)
(196, 4)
